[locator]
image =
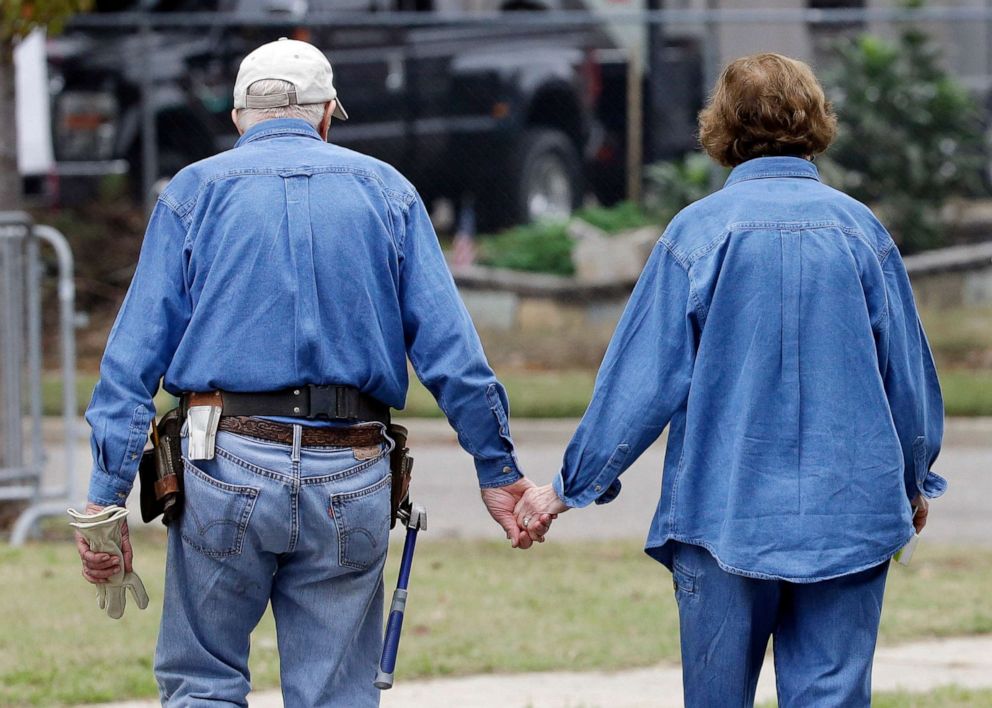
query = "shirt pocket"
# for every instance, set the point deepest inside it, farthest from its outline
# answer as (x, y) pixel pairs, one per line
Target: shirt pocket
(362, 518)
(215, 514)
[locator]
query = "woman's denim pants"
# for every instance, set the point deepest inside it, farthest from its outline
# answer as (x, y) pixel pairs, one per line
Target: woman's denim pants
(824, 634)
(303, 528)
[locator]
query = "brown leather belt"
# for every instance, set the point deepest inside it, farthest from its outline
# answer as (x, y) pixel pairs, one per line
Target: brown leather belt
(271, 431)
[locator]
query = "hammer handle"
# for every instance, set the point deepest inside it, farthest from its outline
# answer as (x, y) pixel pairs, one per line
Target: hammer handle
(394, 625)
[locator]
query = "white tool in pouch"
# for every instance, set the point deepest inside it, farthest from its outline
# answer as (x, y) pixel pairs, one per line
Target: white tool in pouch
(201, 426)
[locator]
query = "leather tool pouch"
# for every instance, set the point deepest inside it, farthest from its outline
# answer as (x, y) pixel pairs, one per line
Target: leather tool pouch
(161, 471)
(401, 468)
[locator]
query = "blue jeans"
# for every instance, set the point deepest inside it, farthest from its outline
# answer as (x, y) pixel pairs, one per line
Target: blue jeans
(824, 634)
(303, 528)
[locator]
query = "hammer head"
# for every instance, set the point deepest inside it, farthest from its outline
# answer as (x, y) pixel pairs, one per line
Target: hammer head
(418, 518)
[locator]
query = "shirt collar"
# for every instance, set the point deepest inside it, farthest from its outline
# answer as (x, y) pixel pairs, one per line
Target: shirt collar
(276, 127)
(767, 167)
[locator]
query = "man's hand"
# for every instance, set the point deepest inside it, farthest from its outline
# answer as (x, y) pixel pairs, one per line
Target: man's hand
(500, 501)
(922, 507)
(537, 508)
(98, 567)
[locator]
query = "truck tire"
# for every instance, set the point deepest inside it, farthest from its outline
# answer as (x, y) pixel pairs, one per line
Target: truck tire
(543, 180)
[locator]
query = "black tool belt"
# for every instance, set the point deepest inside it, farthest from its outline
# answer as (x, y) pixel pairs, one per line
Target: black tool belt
(307, 401)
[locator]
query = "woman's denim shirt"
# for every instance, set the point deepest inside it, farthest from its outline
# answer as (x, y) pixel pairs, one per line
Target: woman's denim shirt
(774, 330)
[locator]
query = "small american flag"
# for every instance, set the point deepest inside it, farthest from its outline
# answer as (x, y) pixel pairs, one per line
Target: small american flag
(463, 248)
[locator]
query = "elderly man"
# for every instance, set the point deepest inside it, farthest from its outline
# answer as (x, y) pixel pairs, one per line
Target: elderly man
(294, 277)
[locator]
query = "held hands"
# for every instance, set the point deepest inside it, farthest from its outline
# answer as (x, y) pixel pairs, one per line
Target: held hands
(501, 503)
(537, 508)
(524, 510)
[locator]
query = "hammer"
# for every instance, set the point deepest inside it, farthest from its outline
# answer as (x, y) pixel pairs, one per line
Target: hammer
(416, 520)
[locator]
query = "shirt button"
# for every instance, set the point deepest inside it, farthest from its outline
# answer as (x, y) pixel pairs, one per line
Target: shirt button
(598, 488)
(507, 469)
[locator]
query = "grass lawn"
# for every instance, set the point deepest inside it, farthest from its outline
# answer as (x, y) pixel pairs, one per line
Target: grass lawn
(565, 394)
(967, 393)
(600, 606)
(950, 697)
(960, 337)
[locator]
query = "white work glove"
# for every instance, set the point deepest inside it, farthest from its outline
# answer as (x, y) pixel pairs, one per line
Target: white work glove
(102, 532)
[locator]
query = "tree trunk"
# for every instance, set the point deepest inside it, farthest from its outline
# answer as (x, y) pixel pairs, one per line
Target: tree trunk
(10, 180)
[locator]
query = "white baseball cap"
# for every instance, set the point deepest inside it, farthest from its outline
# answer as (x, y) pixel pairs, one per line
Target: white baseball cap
(299, 63)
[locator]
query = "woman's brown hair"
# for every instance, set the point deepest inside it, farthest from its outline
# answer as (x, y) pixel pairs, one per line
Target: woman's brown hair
(765, 105)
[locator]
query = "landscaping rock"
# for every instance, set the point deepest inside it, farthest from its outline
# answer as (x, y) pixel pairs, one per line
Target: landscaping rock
(600, 257)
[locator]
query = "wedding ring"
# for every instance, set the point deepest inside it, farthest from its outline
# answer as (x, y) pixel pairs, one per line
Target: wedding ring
(526, 521)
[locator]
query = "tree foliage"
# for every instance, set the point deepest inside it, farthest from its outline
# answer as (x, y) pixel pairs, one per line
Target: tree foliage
(910, 135)
(672, 185)
(21, 17)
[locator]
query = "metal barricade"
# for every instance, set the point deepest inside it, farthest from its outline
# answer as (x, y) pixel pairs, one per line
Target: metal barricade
(22, 452)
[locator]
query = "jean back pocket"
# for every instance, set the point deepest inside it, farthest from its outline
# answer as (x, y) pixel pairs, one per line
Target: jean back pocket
(216, 514)
(362, 521)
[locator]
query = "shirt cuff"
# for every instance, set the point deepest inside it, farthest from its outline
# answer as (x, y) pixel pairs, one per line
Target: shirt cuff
(933, 485)
(107, 489)
(595, 493)
(497, 473)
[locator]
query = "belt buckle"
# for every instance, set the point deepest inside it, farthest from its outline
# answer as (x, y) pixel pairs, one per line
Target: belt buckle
(323, 402)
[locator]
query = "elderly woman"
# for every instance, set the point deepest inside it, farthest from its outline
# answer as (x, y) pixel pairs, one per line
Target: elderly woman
(774, 331)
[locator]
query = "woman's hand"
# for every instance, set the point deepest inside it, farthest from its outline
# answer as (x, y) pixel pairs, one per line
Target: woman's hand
(535, 511)
(920, 507)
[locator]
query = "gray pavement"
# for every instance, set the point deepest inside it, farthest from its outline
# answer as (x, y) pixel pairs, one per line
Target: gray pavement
(444, 480)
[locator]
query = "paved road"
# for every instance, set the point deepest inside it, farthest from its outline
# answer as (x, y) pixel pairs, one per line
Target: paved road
(444, 480)
(917, 667)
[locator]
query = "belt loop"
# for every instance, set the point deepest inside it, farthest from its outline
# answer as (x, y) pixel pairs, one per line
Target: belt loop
(297, 439)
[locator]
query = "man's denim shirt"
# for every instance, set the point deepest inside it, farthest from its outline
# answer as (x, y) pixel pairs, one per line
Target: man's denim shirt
(289, 261)
(774, 330)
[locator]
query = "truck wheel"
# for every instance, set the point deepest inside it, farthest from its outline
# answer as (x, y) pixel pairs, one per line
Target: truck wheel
(544, 179)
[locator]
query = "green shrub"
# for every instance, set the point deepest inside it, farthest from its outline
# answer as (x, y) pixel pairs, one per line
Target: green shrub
(546, 247)
(622, 216)
(542, 247)
(673, 185)
(909, 136)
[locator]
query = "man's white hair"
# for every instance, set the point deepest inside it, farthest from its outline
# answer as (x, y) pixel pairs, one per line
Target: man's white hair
(312, 113)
